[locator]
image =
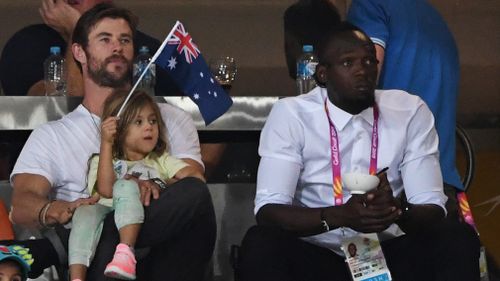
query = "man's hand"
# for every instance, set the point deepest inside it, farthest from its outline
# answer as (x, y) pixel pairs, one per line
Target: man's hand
(60, 16)
(382, 197)
(364, 218)
(61, 212)
(373, 211)
(147, 188)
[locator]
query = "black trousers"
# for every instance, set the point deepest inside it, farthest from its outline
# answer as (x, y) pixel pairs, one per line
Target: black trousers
(179, 231)
(448, 252)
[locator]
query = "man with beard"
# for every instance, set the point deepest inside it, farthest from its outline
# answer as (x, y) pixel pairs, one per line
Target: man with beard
(310, 142)
(49, 176)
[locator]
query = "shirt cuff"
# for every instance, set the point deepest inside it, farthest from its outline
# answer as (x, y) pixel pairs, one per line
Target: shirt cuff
(431, 197)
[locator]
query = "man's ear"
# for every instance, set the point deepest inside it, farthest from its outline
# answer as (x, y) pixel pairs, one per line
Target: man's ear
(78, 53)
(321, 78)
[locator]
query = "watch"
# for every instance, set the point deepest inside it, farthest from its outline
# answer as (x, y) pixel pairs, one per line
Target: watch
(324, 224)
(159, 182)
(405, 209)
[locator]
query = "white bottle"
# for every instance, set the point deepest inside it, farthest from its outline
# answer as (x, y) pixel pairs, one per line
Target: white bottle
(147, 83)
(55, 73)
(306, 67)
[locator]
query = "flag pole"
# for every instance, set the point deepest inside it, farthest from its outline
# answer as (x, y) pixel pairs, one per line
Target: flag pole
(153, 59)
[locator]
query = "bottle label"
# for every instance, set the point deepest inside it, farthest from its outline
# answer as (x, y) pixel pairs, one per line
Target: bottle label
(311, 67)
(306, 68)
(139, 68)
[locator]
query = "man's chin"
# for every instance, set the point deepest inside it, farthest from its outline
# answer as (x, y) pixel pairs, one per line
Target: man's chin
(118, 84)
(113, 81)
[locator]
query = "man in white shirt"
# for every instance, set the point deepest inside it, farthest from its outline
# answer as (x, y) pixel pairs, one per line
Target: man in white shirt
(49, 178)
(347, 126)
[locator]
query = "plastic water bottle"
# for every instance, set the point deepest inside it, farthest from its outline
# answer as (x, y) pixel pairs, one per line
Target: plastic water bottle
(55, 73)
(147, 83)
(306, 67)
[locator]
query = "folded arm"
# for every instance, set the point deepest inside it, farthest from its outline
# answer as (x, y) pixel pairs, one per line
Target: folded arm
(30, 195)
(421, 173)
(276, 187)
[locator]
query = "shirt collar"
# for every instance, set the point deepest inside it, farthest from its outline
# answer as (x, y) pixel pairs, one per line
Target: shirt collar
(340, 117)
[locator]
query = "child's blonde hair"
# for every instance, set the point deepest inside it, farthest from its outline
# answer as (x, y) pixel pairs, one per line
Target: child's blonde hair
(137, 101)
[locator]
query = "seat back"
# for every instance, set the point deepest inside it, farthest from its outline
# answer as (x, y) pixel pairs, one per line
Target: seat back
(466, 156)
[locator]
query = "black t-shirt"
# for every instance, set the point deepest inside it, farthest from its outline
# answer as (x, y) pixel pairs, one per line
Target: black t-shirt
(21, 62)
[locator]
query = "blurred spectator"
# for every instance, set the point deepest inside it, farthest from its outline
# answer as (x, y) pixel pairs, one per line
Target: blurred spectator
(417, 54)
(304, 24)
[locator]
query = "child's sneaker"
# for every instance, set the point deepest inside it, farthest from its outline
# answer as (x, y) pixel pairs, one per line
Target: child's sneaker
(123, 264)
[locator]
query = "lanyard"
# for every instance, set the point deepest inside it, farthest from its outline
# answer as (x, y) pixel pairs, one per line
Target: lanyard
(335, 153)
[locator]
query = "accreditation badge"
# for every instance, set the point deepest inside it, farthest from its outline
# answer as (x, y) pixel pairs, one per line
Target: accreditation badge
(365, 258)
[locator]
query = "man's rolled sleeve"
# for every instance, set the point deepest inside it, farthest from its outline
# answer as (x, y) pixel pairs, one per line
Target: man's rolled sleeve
(182, 135)
(281, 157)
(276, 182)
(420, 169)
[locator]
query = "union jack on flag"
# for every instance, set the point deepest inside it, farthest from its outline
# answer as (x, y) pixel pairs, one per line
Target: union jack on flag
(181, 58)
(184, 43)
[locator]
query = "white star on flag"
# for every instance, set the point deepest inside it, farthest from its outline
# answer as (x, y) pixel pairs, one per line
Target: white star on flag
(215, 94)
(196, 96)
(201, 74)
(172, 63)
(212, 80)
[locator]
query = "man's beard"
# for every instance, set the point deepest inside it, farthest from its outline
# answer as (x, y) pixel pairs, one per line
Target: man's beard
(102, 77)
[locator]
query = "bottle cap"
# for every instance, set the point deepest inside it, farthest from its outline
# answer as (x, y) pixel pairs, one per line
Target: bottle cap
(55, 50)
(307, 48)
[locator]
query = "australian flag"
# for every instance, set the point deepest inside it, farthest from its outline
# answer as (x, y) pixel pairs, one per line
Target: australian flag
(181, 58)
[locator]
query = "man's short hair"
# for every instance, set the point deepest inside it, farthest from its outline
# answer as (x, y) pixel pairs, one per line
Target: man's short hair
(308, 20)
(343, 30)
(90, 18)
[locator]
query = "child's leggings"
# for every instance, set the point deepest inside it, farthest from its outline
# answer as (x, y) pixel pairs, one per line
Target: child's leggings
(88, 220)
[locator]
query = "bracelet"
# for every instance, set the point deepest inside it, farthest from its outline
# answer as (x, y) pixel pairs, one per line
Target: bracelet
(324, 224)
(42, 215)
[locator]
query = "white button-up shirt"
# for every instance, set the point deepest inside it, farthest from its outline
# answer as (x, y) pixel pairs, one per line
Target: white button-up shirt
(295, 168)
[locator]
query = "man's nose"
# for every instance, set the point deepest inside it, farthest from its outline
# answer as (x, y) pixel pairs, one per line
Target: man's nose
(360, 68)
(117, 46)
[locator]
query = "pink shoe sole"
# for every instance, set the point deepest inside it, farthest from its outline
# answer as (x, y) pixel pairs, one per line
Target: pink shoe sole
(117, 273)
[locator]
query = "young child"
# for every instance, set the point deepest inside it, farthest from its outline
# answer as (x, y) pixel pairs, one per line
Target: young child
(133, 147)
(13, 266)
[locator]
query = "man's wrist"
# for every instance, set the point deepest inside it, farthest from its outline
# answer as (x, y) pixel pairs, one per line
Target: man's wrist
(323, 221)
(405, 208)
(43, 216)
(159, 182)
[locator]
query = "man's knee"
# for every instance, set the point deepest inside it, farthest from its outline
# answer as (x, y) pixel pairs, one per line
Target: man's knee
(261, 242)
(263, 254)
(191, 191)
(458, 233)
